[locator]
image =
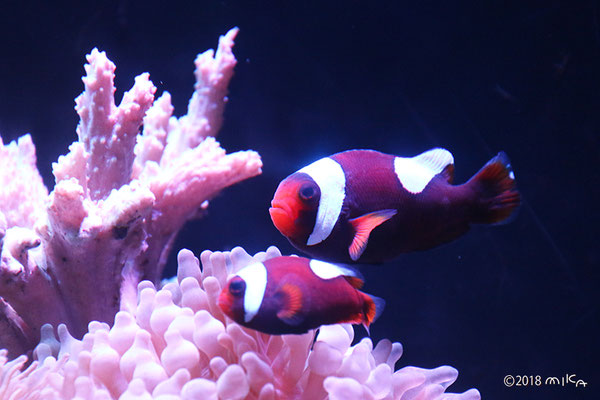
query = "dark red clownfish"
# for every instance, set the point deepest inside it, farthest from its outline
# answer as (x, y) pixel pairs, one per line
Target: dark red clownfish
(367, 206)
(295, 294)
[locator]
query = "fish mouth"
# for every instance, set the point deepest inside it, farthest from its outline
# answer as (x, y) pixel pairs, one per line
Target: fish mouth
(280, 207)
(224, 303)
(281, 215)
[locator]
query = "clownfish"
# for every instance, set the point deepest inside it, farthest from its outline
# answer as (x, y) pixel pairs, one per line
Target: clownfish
(290, 294)
(366, 206)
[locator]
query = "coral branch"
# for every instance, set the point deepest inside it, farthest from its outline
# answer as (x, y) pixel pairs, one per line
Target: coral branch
(14, 332)
(22, 194)
(205, 109)
(26, 286)
(76, 255)
(108, 132)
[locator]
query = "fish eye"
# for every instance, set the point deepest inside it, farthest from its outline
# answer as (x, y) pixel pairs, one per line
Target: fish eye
(308, 191)
(237, 286)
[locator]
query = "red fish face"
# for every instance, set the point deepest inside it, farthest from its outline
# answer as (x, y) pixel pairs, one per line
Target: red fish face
(294, 206)
(231, 299)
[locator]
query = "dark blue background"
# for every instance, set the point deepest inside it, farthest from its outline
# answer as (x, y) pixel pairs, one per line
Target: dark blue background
(474, 77)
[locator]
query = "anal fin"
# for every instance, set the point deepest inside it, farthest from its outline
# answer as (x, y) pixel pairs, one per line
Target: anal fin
(363, 226)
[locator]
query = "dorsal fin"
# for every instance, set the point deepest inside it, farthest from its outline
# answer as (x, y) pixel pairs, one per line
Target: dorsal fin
(363, 226)
(291, 304)
(448, 173)
(415, 173)
(435, 159)
(326, 270)
(354, 281)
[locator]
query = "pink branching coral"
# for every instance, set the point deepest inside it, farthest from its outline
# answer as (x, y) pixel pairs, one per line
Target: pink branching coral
(77, 254)
(176, 344)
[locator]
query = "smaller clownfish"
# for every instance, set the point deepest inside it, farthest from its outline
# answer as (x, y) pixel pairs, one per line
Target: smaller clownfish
(288, 294)
(366, 206)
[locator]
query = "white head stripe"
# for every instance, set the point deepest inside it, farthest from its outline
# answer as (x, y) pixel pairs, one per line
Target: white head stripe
(416, 172)
(325, 270)
(255, 276)
(329, 175)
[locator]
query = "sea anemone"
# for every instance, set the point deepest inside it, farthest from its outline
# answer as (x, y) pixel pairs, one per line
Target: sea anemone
(177, 344)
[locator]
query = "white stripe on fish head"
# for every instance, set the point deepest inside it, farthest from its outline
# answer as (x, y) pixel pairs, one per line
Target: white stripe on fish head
(255, 276)
(325, 270)
(416, 172)
(329, 175)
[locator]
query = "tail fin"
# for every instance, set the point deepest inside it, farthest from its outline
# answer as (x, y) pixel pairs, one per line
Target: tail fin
(496, 191)
(372, 309)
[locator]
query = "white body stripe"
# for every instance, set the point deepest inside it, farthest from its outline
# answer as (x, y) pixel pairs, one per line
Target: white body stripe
(255, 276)
(325, 270)
(416, 172)
(329, 175)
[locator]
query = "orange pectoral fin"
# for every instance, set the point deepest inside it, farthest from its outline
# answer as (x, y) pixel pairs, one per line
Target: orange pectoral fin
(291, 296)
(363, 226)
